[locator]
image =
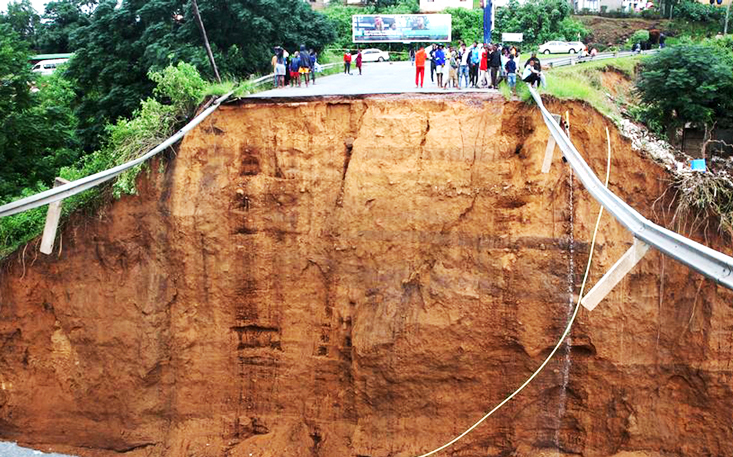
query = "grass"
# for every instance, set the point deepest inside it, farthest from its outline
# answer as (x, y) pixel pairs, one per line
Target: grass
(583, 82)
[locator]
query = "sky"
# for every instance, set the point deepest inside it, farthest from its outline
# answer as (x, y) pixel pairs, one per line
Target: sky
(38, 5)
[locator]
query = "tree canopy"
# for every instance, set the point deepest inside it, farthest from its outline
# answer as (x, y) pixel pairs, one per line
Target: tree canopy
(37, 129)
(689, 83)
(121, 44)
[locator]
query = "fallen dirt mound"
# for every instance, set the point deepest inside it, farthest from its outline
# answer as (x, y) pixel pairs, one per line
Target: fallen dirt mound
(615, 31)
(362, 278)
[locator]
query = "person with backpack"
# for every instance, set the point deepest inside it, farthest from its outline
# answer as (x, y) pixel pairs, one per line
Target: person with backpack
(304, 69)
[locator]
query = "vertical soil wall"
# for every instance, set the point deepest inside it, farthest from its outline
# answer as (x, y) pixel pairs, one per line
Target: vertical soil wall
(365, 278)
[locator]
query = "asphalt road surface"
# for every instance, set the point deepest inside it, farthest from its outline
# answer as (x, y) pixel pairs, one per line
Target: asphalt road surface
(376, 78)
(13, 450)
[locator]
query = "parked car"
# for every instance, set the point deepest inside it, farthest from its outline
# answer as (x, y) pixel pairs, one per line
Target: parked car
(374, 55)
(561, 47)
(47, 67)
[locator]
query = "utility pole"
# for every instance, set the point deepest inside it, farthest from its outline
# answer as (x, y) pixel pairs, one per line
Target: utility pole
(206, 39)
(727, 14)
(488, 8)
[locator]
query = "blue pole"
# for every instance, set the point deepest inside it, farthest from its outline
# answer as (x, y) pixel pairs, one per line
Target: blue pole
(488, 4)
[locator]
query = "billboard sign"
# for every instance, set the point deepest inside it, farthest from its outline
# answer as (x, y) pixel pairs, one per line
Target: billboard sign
(400, 28)
(512, 37)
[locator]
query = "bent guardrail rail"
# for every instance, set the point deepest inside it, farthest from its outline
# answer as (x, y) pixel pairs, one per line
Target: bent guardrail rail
(708, 262)
(87, 182)
(610, 55)
(80, 185)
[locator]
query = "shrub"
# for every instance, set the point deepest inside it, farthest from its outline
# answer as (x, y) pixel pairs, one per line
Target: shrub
(689, 83)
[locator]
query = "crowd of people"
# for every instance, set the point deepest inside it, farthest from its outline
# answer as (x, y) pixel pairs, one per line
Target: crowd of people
(462, 67)
(476, 66)
(295, 69)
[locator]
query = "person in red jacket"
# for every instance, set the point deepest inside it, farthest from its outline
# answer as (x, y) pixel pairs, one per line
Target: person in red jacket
(358, 62)
(347, 62)
(420, 67)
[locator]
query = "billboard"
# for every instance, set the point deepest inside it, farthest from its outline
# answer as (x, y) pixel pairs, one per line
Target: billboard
(400, 28)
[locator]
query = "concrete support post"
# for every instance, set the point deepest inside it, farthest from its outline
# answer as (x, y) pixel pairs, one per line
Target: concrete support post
(52, 221)
(617, 272)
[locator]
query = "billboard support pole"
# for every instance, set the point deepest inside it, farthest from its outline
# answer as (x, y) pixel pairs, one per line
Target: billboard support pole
(488, 19)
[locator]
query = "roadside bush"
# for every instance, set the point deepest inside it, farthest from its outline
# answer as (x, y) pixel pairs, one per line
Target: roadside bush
(179, 89)
(698, 12)
(688, 83)
(539, 21)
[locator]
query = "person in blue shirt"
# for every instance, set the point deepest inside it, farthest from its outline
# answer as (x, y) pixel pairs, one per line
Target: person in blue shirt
(439, 58)
(511, 74)
(295, 69)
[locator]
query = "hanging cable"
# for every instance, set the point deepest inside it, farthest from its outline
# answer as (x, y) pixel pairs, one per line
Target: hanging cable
(562, 338)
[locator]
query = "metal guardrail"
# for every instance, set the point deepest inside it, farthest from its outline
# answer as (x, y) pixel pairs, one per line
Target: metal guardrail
(267, 78)
(610, 55)
(708, 262)
(80, 185)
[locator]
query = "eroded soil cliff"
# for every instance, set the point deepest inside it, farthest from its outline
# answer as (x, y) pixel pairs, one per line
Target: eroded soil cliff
(365, 277)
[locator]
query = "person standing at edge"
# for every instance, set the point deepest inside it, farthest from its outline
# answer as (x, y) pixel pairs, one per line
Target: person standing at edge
(280, 69)
(420, 67)
(453, 63)
(306, 65)
(474, 63)
(314, 62)
(294, 68)
(439, 59)
(511, 74)
(347, 62)
(484, 66)
(463, 68)
(495, 64)
(358, 62)
(412, 56)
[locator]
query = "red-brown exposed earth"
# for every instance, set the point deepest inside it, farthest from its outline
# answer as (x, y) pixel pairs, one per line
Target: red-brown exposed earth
(365, 277)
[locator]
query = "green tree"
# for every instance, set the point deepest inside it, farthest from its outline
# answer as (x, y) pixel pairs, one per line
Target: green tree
(37, 129)
(122, 43)
(22, 19)
(60, 20)
(688, 83)
(467, 25)
(539, 21)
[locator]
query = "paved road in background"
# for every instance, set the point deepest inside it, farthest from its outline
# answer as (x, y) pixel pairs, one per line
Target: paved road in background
(376, 78)
(13, 450)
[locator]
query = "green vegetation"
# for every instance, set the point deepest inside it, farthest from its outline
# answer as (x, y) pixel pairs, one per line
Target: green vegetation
(689, 83)
(583, 82)
(178, 91)
(37, 128)
(540, 21)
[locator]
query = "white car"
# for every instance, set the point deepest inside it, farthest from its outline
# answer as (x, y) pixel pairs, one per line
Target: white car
(374, 55)
(561, 47)
(47, 67)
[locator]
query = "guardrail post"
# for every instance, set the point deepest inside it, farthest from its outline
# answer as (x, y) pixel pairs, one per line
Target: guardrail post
(550, 150)
(52, 221)
(613, 276)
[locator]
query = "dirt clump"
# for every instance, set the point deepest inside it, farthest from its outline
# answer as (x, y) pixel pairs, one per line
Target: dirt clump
(365, 277)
